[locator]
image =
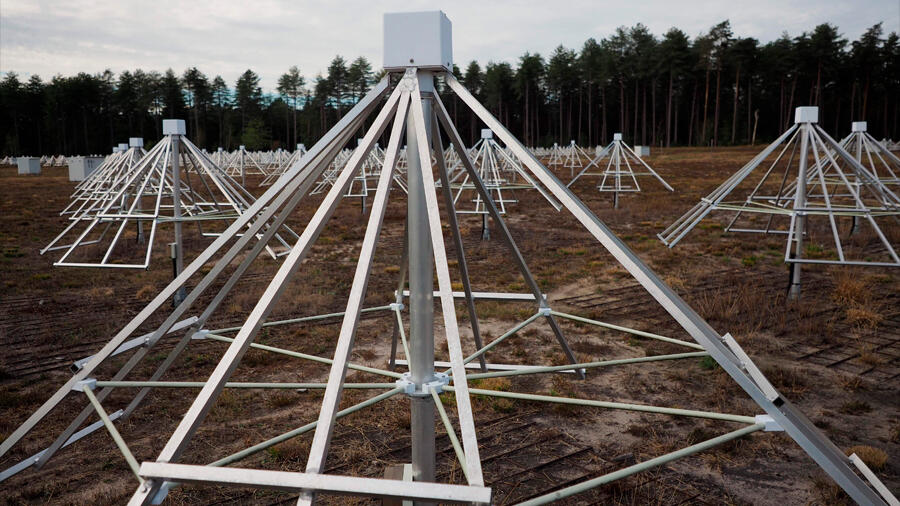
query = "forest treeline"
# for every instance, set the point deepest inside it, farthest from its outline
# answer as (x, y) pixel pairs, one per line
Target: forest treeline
(714, 89)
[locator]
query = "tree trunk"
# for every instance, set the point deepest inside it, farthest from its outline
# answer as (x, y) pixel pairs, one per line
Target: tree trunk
(580, 109)
(718, 95)
(865, 102)
(622, 125)
(590, 115)
(787, 115)
(737, 87)
(637, 103)
(294, 144)
(755, 124)
(749, 103)
(527, 119)
(781, 105)
(603, 135)
(644, 117)
(693, 115)
(705, 108)
(653, 112)
(560, 132)
(818, 83)
(675, 133)
(669, 110)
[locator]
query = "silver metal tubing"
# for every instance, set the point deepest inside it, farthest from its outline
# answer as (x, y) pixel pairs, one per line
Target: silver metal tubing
(611, 405)
(306, 356)
(233, 384)
(421, 301)
(643, 466)
(587, 365)
(628, 330)
(114, 433)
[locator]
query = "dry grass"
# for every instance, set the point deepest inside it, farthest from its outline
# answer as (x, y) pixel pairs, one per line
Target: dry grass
(853, 291)
(146, 292)
(873, 457)
(765, 325)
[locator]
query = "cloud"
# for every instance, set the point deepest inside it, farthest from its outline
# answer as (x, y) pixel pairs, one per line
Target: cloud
(48, 37)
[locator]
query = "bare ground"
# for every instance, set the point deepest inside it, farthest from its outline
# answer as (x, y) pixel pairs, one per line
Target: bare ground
(835, 354)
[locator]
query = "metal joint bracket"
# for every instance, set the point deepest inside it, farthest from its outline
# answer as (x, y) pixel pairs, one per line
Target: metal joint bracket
(88, 383)
(200, 334)
(877, 484)
(408, 81)
(770, 424)
(545, 311)
(161, 493)
(396, 306)
(750, 368)
(437, 385)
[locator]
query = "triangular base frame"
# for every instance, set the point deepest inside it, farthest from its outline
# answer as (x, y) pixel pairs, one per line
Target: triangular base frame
(404, 104)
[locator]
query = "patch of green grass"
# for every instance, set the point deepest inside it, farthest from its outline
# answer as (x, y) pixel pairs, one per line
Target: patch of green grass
(749, 261)
(708, 363)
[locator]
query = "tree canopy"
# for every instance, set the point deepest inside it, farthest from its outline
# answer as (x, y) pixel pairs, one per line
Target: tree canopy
(716, 88)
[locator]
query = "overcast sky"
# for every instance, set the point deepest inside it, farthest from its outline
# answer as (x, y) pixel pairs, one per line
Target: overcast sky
(226, 37)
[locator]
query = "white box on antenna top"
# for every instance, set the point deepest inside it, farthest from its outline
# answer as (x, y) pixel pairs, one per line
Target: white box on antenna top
(806, 114)
(173, 127)
(417, 39)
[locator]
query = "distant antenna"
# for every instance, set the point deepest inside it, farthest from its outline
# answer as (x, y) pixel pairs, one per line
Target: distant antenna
(143, 189)
(619, 176)
(500, 172)
(812, 187)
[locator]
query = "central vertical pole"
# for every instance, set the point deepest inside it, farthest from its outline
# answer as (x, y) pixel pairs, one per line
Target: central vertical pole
(854, 227)
(421, 290)
(799, 204)
(176, 213)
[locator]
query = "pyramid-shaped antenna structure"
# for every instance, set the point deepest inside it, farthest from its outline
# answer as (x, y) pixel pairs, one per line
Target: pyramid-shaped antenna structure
(100, 185)
(873, 154)
(242, 162)
(283, 165)
(556, 156)
(618, 174)
(500, 172)
(812, 186)
(417, 47)
(575, 157)
(147, 191)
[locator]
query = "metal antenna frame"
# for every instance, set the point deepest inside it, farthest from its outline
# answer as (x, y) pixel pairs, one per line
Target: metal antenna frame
(619, 175)
(98, 185)
(281, 166)
(414, 107)
(241, 163)
(498, 170)
(574, 157)
(872, 154)
(835, 185)
(113, 200)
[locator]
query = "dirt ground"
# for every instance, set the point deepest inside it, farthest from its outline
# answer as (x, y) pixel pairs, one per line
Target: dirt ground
(835, 354)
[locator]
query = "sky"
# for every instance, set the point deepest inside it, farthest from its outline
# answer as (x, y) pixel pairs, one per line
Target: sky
(226, 37)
